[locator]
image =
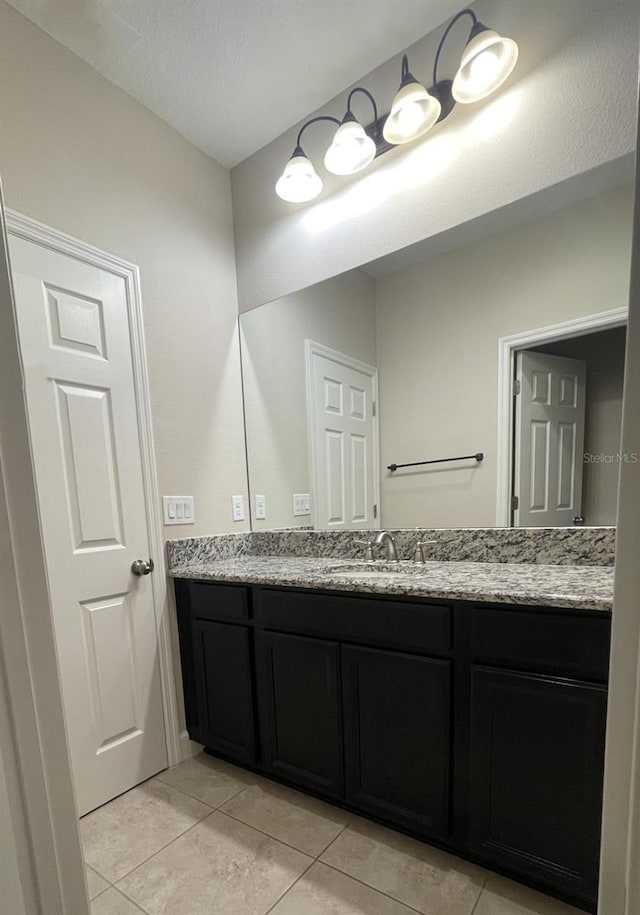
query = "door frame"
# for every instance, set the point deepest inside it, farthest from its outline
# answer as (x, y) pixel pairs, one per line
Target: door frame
(507, 350)
(312, 349)
(31, 230)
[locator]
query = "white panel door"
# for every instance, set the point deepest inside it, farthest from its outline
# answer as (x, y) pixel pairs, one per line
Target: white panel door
(74, 337)
(344, 445)
(549, 440)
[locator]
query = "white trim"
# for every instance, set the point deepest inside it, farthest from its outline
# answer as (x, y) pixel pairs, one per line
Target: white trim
(507, 349)
(318, 349)
(38, 233)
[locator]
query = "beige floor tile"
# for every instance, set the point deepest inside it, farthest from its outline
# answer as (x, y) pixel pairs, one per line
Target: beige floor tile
(429, 880)
(504, 897)
(209, 779)
(113, 903)
(127, 831)
(219, 866)
(324, 891)
(304, 822)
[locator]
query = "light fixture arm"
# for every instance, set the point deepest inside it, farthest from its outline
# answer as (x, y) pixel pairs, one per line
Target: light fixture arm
(320, 117)
(369, 96)
(447, 31)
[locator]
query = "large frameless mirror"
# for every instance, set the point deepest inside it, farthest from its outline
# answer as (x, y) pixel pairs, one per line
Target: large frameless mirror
(472, 380)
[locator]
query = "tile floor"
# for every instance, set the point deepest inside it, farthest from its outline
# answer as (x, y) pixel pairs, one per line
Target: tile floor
(207, 838)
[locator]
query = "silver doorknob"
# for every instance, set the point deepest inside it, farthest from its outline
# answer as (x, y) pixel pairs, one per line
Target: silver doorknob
(142, 567)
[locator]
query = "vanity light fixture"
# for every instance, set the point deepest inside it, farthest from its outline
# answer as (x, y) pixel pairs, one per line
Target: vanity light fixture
(487, 62)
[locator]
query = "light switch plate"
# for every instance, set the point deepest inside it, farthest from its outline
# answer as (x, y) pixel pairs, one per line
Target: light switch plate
(178, 510)
(261, 508)
(237, 508)
(301, 503)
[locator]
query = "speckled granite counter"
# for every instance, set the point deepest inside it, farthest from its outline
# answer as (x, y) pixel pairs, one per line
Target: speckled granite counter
(578, 587)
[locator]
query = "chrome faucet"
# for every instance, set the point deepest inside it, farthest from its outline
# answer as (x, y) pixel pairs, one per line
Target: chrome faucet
(384, 537)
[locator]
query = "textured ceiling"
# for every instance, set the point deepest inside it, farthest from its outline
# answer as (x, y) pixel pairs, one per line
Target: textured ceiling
(231, 75)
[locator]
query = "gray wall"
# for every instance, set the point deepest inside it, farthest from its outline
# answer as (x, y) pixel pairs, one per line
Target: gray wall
(340, 314)
(80, 155)
(438, 326)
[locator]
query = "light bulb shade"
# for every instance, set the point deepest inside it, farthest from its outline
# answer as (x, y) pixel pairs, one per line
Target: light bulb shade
(413, 112)
(487, 62)
(351, 151)
(299, 181)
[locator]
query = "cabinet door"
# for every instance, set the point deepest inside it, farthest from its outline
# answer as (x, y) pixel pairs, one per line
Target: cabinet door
(536, 772)
(224, 691)
(300, 713)
(397, 737)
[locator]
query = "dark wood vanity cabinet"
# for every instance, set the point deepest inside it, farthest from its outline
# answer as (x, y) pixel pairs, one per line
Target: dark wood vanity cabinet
(300, 710)
(480, 728)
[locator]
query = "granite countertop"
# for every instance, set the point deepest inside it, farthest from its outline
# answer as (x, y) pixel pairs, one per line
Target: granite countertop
(577, 587)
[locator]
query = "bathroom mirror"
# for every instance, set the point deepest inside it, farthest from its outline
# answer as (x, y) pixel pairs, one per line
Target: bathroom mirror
(501, 343)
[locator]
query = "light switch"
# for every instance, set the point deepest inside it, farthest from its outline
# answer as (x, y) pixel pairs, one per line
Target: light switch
(261, 508)
(237, 508)
(301, 503)
(178, 510)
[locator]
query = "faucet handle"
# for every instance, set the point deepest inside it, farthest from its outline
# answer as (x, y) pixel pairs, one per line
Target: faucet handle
(418, 555)
(369, 557)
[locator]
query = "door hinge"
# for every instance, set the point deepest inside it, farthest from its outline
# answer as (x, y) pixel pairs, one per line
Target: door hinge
(516, 387)
(515, 503)
(375, 512)
(374, 408)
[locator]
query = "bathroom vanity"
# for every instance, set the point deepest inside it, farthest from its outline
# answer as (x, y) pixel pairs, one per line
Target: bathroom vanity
(475, 724)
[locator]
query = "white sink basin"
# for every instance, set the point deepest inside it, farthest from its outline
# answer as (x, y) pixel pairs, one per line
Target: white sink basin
(377, 569)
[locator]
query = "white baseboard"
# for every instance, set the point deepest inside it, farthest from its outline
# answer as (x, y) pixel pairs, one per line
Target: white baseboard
(188, 748)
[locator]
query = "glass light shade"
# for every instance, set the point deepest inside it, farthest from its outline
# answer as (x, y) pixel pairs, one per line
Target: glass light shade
(299, 181)
(487, 62)
(413, 112)
(351, 151)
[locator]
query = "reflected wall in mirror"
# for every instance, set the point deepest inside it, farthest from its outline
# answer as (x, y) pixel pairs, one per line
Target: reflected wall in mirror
(413, 358)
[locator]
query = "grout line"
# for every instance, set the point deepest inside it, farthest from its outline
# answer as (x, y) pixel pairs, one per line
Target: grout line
(335, 839)
(124, 895)
(99, 873)
(289, 888)
(157, 852)
(267, 834)
(195, 797)
(162, 847)
(375, 889)
(229, 799)
(477, 902)
(96, 872)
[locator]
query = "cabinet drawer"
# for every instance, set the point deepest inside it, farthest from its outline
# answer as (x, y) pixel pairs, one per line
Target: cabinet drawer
(565, 643)
(387, 623)
(219, 603)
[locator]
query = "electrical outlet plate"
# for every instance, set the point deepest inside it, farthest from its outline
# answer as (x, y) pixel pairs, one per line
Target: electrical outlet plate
(261, 508)
(237, 508)
(178, 510)
(301, 504)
